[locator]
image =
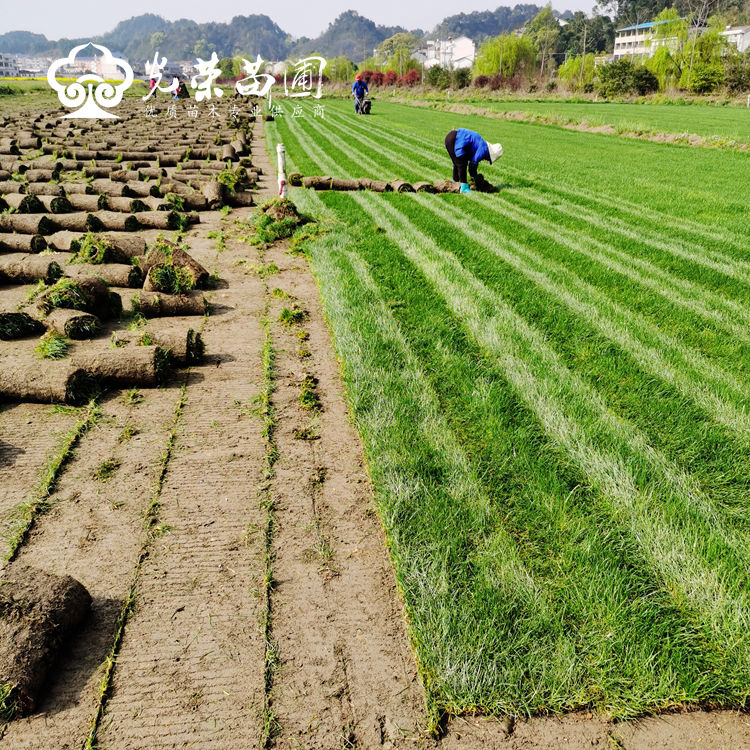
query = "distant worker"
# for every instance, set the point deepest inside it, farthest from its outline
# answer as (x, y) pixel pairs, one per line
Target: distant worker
(466, 149)
(359, 89)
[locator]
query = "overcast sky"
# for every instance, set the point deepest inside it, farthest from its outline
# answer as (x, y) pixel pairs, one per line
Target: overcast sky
(77, 18)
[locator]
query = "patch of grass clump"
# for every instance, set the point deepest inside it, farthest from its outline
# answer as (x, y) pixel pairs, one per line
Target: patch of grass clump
(171, 279)
(8, 706)
(107, 469)
(292, 317)
(134, 397)
(65, 293)
(53, 346)
(93, 248)
(308, 395)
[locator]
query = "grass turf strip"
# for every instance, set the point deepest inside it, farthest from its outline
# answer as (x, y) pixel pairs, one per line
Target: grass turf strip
(635, 580)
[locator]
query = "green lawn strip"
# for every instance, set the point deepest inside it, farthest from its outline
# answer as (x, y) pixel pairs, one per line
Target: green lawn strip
(615, 663)
(637, 278)
(24, 516)
(632, 243)
(680, 348)
(426, 158)
(706, 121)
(150, 532)
(717, 269)
(637, 383)
(686, 547)
(672, 181)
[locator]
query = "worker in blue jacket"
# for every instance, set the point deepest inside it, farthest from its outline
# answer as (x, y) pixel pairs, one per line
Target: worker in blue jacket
(466, 149)
(359, 89)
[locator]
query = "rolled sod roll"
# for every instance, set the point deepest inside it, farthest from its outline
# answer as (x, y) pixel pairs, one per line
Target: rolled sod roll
(79, 188)
(184, 348)
(189, 202)
(377, 186)
(114, 274)
(165, 252)
(74, 324)
(157, 305)
(424, 187)
(88, 294)
(27, 223)
(25, 268)
(317, 183)
(112, 221)
(241, 199)
(18, 325)
(41, 175)
(56, 204)
(228, 153)
(141, 189)
(127, 245)
(295, 179)
(124, 175)
(30, 141)
(47, 381)
(39, 612)
(82, 202)
(126, 366)
(45, 188)
(447, 186)
(107, 187)
(97, 172)
(11, 186)
(161, 219)
(153, 173)
(213, 192)
(23, 243)
(25, 204)
(402, 186)
(337, 184)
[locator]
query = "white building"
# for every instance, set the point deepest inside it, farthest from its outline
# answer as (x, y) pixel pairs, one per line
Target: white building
(448, 53)
(739, 36)
(639, 41)
(8, 66)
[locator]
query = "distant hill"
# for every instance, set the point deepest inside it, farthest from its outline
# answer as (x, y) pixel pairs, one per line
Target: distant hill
(350, 35)
(485, 23)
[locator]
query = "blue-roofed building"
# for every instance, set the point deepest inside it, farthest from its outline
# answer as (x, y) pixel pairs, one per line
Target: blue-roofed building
(637, 41)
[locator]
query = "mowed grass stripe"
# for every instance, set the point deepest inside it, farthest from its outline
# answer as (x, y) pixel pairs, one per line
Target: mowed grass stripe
(431, 150)
(360, 197)
(654, 351)
(598, 649)
(684, 553)
(653, 278)
(688, 295)
(623, 671)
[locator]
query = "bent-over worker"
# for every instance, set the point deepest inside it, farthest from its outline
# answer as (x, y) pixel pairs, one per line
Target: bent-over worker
(466, 149)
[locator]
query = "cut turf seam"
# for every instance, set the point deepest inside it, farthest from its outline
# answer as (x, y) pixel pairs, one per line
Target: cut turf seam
(25, 515)
(151, 515)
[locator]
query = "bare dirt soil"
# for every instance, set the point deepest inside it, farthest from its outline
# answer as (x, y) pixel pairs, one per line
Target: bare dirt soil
(260, 609)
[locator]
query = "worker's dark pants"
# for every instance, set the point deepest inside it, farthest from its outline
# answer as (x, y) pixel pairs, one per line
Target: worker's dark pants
(460, 163)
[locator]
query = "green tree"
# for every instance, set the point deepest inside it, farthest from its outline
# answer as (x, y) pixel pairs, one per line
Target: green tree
(544, 31)
(229, 67)
(506, 54)
(438, 77)
(577, 72)
(397, 51)
(157, 39)
(340, 69)
(203, 49)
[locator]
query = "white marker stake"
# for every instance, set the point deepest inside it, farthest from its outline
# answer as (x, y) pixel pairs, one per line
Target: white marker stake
(281, 169)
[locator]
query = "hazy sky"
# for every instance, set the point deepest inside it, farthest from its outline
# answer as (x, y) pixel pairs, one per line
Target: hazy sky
(76, 18)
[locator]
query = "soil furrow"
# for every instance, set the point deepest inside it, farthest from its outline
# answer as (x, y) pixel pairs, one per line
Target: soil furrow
(193, 648)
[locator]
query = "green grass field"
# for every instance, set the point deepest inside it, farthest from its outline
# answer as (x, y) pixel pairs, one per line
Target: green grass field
(552, 386)
(703, 120)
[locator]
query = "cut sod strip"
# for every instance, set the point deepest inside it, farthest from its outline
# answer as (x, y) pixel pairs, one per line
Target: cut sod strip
(608, 440)
(614, 637)
(663, 355)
